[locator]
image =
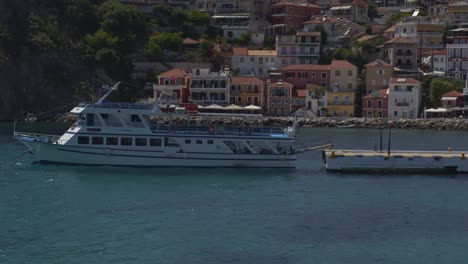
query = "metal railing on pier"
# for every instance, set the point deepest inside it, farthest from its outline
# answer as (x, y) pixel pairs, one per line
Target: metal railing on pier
(255, 131)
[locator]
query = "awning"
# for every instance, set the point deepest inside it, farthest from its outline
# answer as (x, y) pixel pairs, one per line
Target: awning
(340, 7)
(214, 106)
(252, 107)
(232, 107)
(438, 110)
(449, 98)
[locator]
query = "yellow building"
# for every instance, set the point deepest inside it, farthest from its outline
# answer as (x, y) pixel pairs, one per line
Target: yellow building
(340, 104)
(247, 90)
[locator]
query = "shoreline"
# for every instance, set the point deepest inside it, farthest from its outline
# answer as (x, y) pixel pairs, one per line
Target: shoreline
(455, 124)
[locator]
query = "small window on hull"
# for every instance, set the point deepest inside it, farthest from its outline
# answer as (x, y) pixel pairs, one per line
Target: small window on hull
(209, 141)
(83, 140)
(155, 142)
(112, 141)
(97, 140)
(140, 141)
(126, 141)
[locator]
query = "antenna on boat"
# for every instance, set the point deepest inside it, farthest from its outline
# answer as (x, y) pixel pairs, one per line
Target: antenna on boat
(381, 135)
(389, 139)
(109, 91)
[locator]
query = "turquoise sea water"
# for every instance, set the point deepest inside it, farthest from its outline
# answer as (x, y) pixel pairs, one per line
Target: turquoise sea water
(72, 214)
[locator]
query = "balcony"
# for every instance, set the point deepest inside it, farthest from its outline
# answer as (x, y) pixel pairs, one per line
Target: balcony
(402, 104)
(404, 54)
(337, 102)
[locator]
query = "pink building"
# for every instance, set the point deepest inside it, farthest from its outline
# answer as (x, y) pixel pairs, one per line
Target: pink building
(300, 75)
(375, 104)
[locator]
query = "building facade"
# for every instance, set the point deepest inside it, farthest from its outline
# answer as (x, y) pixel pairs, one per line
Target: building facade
(301, 48)
(171, 87)
(289, 15)
(425, 31)
(207, 87)
(377, 75)
(375, 104)
(404, 98)
(300, 75)
(247, 91)
(402, 54)
(253, 62)
(279, 98)
(457, 54)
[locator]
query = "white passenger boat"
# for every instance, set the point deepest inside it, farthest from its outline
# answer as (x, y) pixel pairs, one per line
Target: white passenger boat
(120, 134)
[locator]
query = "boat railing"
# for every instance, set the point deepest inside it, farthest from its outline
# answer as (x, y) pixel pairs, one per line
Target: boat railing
(118, 106)
(35, 137)
(221, 130)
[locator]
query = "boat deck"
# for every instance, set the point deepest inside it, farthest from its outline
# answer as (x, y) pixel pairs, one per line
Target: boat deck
(396, 153)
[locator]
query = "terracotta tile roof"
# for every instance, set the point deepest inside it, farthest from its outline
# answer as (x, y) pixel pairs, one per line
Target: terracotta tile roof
(306, 67)
(366, 38)
(342, 64)
(261, 52)
(294, 4)
(321, 20)
(240, 51)
(381, 93)
(173, 74)
(246, 79)
(452, 93)
(189, 41)
(395, 80)
(390, 29)
(301, 93)
(378, 63)
(401, 40)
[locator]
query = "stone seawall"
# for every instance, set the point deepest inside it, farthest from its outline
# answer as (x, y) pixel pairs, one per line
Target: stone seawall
(437, 124)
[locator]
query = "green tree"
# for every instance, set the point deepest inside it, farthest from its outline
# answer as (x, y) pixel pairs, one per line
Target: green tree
(323, 34)
(243, 39)
(169, 41)
(269, 42)
(188, 30)
(101, 39)
(396, 17)
(107, 57)
(372, 12)
(82, 17)
(438, 87)
(198, 18)
(205, 50)
(152, 50)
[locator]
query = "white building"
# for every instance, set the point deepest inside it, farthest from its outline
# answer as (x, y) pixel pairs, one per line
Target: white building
(207, 87)
(404, 98)
(253, 62)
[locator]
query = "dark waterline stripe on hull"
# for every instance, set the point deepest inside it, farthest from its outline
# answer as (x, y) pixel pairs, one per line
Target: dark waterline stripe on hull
(134, 156)
(46, 162)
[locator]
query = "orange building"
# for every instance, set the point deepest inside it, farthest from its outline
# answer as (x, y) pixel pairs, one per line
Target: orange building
(247, 90)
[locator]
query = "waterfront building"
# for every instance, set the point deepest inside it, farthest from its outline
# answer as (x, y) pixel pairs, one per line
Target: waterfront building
(316, 99)
(300, 48)
(436, 61)
(207, 87)
(253, 62)
(300, 75)
(340, 103)
(375, 104)
(343, 76)
(457, 53)
(452, 99)
(402, 54)
(279, 97)
(404, 98)
(247, 90)
(377, 75)
(173, 84)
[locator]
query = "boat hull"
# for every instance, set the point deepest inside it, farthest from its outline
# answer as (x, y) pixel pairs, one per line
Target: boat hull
(75, 155)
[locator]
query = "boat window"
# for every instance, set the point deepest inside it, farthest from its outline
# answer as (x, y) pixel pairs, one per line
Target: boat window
(140, 141)
(155, 142)
(112, 141)
(105, 116)
(188, 141)
(126, 141)
(209, 141)
(90, 119)
(97, 140)
(170, 142)
(81, 117)
(135, 118)
(83, 140)
(199, 141)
